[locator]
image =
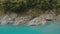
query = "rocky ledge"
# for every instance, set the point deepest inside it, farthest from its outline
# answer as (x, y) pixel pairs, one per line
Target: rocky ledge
(28, 19)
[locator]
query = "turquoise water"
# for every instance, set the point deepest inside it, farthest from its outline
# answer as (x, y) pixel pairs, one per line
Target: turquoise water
(49, 28)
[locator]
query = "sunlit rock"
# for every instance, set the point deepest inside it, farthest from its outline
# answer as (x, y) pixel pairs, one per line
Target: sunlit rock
(5, 19)
(50, 17)
(58, 18)
(37, 21)
(22, 20)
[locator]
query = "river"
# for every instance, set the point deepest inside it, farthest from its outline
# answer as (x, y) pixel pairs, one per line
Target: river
(50, 28)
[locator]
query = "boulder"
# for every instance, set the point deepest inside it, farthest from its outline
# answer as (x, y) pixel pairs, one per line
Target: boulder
(22, 20)
(58, 18)
(37, 21)
(50, 17)
(5, 19)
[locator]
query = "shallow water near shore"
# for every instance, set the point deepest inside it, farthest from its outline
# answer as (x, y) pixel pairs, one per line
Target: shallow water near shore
(49, 28)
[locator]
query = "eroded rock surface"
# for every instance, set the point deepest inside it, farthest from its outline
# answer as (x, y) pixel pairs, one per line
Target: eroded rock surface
(58, 18)
(22, 20)
(5, 19)
(37, 21)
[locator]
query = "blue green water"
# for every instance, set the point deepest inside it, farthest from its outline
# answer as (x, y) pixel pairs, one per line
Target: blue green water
(49, 28)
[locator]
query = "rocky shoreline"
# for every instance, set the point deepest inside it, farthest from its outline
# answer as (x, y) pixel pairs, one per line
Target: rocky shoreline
(28, 19)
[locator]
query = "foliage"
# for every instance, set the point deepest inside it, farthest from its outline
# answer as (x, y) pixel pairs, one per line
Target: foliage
(22, 6)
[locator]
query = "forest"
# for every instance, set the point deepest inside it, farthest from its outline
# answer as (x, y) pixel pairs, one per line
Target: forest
(22, 7)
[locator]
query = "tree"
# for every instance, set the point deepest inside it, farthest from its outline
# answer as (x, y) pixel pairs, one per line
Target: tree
(23, 7)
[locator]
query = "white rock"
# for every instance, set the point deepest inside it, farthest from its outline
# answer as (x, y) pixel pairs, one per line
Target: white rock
(58, 18)
(5, 19)
(37, 21)
(22, 20)
(50, 16)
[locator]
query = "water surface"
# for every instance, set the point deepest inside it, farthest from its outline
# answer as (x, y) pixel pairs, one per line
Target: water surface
(49, 28)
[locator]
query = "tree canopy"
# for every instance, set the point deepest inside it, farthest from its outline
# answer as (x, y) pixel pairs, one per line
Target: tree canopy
(22, 6)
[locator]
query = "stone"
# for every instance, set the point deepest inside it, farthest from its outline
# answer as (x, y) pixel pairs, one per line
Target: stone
(22, 20)
(37, 21)
(4, 19)
(58, 17)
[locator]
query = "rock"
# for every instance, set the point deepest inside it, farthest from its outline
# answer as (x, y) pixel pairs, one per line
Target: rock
(5, 19)
(22, 20)
(58, 18)
(37, 21)
(0, 16)
(50, 17)
(13, 15)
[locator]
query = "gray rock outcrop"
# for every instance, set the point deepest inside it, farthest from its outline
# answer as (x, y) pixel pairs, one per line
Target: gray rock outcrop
(5, 19)
(58, 18)
(22, 20)
(37, 21)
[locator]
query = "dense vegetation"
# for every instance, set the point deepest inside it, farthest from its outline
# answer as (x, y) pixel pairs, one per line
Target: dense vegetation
(23, 6)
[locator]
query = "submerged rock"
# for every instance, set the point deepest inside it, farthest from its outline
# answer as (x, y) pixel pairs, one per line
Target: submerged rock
(37, 21)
